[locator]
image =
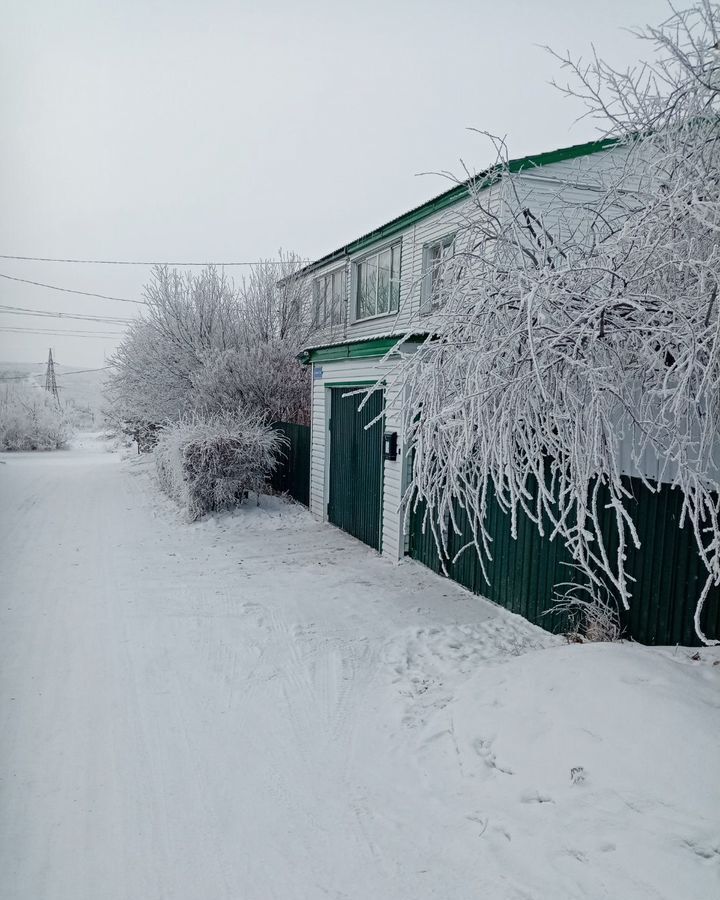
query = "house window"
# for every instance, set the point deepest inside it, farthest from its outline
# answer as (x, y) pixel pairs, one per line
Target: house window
(436, 257)
(377, 283)
(329, 298)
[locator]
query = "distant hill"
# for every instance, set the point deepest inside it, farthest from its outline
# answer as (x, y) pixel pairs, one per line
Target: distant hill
(82, 390)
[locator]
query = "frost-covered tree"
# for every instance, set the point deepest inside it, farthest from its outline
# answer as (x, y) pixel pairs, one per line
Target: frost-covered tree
(31, 419)
(262, 370)
(275, 304)
(577, 341)
(186, 316)
(266, 377)
(204, 344)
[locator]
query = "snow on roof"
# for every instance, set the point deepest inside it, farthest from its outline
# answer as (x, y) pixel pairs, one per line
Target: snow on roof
(386, 335)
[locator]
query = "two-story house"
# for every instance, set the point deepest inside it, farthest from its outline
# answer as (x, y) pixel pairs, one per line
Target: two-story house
(380, 295)
(366, 295)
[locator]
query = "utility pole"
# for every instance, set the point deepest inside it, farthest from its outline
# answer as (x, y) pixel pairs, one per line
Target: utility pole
(50, 383)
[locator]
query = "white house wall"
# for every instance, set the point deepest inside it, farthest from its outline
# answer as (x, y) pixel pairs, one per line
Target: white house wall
(540, 189)
(412, 239)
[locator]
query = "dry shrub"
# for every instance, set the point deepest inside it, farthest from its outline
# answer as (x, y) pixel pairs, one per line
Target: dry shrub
(592, 614)
(213, 463)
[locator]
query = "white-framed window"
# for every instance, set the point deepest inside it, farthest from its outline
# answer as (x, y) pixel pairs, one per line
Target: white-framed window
(329, 298)
(377, 283)
(436, 257)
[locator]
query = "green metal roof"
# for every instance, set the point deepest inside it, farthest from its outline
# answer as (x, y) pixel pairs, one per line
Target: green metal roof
(455, 194)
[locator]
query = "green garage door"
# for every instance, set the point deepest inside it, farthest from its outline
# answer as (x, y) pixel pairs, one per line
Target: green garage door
(356, 465)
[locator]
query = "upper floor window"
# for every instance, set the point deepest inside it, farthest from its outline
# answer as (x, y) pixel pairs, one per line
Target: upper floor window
(436, 257)
(329, 298)
(377, 283)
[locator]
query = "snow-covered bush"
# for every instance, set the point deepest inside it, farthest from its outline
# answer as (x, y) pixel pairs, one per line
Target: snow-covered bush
(213, 463)
(31, 419)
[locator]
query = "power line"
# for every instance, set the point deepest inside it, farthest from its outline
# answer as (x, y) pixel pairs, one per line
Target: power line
(21, 377)
(22, 311)
(126, 262)
(57, 374)
(58, 330)
(47, 313)
(68, 332)
(82, 371)
(54, 287)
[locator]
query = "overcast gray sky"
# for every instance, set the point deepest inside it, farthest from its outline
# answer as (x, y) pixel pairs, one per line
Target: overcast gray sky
(217, 130)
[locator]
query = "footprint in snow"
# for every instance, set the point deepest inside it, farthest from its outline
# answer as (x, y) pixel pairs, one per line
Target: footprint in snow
(535, 797)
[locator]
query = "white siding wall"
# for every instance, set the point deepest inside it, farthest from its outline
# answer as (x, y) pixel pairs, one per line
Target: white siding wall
(412, 239)
(318, 446)
(539, 188)
(348, 371)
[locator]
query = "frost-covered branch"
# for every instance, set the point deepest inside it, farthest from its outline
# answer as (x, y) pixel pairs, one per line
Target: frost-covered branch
(580, 337)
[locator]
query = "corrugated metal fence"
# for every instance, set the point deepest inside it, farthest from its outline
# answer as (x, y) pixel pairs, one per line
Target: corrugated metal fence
(292, 475)
(668, 571)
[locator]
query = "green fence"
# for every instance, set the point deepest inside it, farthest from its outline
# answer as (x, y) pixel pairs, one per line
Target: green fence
(668, 571)
(292, 475)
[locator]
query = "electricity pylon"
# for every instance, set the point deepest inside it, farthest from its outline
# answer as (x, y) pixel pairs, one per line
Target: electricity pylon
(50, 383)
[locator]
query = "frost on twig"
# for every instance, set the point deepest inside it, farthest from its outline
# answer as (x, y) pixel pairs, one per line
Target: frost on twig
(590, 611)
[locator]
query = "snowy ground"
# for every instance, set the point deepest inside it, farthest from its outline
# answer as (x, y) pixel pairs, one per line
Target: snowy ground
(257, 706)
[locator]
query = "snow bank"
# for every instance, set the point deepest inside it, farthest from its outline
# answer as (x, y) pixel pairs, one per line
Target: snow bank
(267, 513)
(586, 770)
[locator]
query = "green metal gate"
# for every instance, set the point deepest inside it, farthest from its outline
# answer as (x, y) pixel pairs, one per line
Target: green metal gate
(668, 572)
(356, 465)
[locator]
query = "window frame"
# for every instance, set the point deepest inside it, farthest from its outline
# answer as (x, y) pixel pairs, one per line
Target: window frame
(376, 252)
(327, 320)
(429, 302)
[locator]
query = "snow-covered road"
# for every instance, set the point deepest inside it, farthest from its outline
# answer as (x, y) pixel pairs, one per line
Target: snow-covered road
(257, 706)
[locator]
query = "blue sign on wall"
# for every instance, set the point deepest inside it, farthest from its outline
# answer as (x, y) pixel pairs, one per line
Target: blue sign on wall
(317, 371)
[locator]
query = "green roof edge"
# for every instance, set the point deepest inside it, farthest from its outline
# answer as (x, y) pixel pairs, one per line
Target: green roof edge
(358, 349)
(457, 193)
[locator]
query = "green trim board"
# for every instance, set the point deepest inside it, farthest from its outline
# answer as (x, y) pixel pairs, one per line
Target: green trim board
(457, 193)
(352, 384)
(358, 349)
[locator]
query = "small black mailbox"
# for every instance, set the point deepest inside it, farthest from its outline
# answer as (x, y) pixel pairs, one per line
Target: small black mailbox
(391, 445)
